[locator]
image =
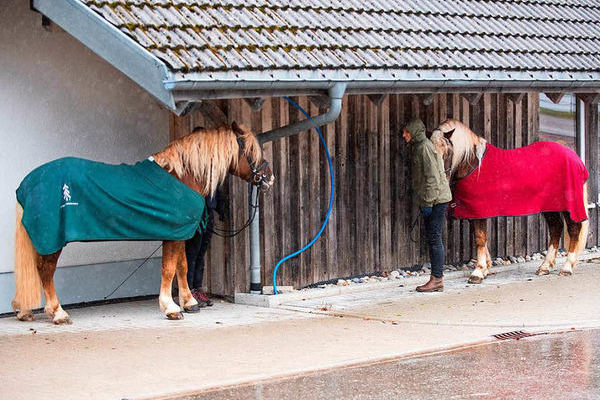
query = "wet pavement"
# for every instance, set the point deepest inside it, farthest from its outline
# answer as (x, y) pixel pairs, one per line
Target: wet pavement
(359, 345)
(552, 366)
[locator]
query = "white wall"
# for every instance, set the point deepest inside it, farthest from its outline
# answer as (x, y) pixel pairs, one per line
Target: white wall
(57, 98)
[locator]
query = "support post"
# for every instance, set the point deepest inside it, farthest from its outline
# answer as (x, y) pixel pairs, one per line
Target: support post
(255, 278)
(580, 127)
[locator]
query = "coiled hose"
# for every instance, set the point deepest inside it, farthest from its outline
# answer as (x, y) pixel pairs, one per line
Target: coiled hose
(332, 183)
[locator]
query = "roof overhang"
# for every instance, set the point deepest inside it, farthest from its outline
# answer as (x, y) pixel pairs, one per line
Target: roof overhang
(176, 89)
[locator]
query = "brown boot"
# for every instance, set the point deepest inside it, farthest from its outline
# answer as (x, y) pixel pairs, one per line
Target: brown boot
(434, 285)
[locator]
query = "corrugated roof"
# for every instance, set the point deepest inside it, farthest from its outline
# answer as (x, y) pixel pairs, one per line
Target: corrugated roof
(262, 35)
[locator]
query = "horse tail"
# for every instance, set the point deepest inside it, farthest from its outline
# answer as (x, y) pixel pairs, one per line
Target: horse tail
(28, 291)
(585, 225)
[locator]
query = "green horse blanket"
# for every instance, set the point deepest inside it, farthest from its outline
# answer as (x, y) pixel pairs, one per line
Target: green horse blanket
(77, 200)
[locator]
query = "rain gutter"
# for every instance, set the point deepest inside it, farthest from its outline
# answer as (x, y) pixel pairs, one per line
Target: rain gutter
(204, 90)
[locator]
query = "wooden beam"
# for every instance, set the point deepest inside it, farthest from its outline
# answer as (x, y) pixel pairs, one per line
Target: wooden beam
(590, 98)
(517, 97)
(472, 98)
(319, 101)
(377, 99)
(213, 115)
(555, 97)
(428, 98)
(255, 103)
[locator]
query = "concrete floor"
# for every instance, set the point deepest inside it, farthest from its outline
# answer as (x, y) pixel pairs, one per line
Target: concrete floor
(556, 366)
(129, 351)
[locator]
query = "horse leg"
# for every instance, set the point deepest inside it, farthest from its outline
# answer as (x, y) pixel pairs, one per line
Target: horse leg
(186, 300)
(573, 230)
(171, 249)
(555, 226)
(483, 257)
(46, 269)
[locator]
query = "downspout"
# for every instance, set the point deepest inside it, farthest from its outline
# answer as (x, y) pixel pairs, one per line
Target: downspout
(336, 93)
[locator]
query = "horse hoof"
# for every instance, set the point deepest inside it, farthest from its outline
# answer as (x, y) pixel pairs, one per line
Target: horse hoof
(565, 273)
(541, 272)
(175, 315)
(475, 279)
(193, 309)
(25, 316)
(62, 321)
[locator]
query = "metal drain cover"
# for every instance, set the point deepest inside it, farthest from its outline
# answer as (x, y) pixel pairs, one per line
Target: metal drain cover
(516, 335)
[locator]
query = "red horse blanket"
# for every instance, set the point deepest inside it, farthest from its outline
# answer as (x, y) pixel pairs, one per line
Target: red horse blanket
(544, 176)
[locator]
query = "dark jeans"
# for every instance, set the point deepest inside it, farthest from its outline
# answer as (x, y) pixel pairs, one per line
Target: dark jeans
(433, 233)
(195, 249)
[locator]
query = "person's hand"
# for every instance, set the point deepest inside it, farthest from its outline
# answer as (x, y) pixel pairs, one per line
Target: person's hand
(426, 211)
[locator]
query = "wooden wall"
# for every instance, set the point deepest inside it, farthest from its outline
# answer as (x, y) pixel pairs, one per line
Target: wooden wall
(370, 226)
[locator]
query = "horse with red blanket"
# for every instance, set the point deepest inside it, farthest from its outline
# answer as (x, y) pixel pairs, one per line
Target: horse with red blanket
(489, 182)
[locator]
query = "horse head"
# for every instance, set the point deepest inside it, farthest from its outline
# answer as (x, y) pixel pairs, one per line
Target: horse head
(250, 165)
(443, 147)
(467, 148)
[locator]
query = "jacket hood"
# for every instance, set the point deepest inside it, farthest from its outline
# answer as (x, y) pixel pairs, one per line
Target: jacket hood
(416, 127)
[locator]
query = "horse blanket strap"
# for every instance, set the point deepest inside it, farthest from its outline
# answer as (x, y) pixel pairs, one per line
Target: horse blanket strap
(77, 200)
(543, 176)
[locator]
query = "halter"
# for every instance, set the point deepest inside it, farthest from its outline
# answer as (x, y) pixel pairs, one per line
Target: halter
(259, 175)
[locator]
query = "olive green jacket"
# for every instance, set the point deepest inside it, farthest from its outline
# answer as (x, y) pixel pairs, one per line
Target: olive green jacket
(429, 180)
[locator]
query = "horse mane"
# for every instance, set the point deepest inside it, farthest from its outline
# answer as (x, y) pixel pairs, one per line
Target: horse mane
(207, 155)
(466, 145)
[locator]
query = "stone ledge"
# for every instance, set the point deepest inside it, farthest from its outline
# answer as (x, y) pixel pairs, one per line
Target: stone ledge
(274, 301)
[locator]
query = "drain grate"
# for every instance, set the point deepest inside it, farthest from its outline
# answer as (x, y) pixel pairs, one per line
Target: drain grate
(516, 335)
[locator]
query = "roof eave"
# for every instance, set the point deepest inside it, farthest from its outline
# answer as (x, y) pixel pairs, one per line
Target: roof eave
(211, 85)
(111, 44)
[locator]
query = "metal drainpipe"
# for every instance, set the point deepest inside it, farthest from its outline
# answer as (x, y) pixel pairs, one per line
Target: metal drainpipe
(336, 93)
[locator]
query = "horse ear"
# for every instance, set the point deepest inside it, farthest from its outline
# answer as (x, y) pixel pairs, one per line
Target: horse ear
(236, 129)
(449, 134)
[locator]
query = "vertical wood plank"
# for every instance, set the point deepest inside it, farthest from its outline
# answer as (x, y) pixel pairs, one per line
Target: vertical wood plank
(592, 160)
(267, 206)
(372, 174)
(454, 229)
(359, 149)
(315, 192)
(520, 223)
(510, 144)
(330, 255)
(341, 187)
(465, 229)
(383, 162)
(282, 187)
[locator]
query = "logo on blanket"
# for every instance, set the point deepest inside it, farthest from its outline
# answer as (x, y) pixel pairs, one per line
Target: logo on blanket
(67, 196)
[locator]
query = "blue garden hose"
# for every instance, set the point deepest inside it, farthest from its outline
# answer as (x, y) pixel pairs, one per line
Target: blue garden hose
(331, 181)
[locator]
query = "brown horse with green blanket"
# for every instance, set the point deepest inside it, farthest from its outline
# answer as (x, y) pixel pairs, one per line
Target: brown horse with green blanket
(162, 198)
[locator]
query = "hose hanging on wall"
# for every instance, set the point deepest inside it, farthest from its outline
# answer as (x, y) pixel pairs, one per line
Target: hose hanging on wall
(332, 183)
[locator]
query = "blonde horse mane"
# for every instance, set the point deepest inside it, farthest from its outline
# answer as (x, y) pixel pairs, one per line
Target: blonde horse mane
(466, 145)
(208, 155)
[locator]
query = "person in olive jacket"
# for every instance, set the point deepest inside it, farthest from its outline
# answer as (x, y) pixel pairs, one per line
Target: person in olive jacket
(433, 194)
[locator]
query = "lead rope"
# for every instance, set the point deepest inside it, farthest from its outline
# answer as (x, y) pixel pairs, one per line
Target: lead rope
(133, 272)
(412, 228)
